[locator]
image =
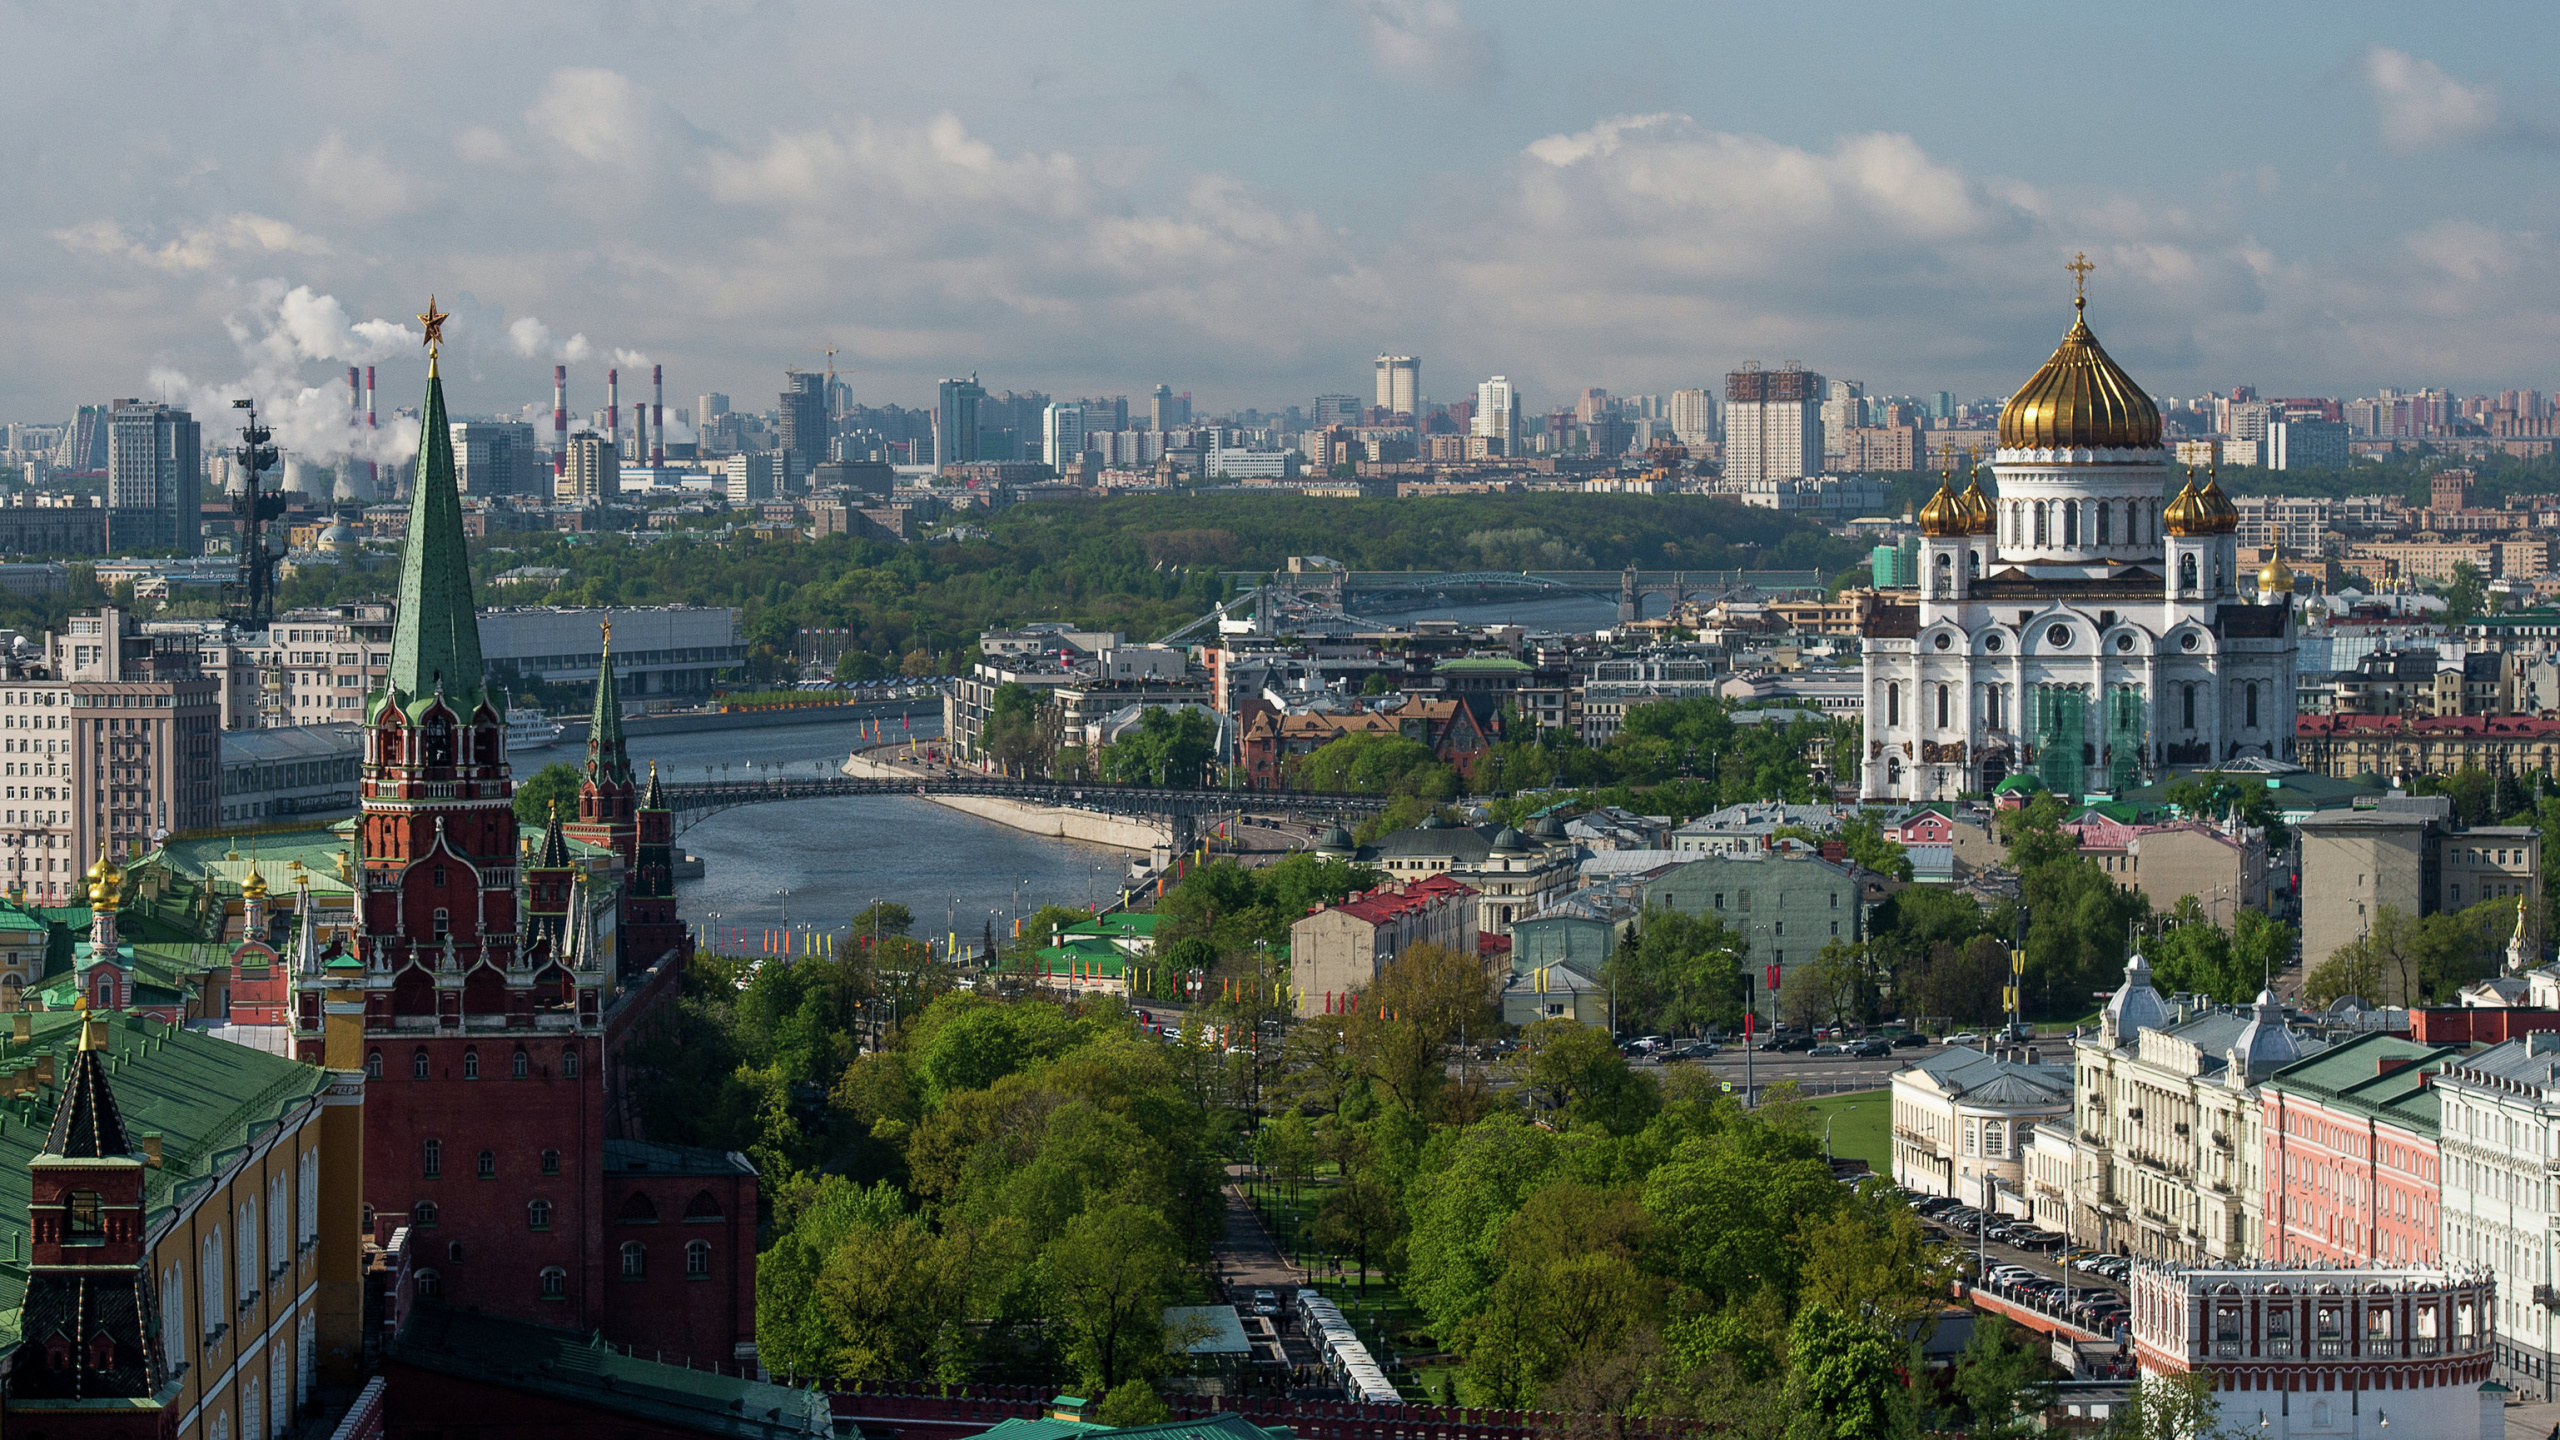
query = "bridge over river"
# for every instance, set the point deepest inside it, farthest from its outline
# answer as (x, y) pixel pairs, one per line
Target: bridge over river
(1331, 593)
(1183, 808)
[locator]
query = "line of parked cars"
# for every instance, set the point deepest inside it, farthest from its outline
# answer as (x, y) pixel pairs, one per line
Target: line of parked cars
(2100, 1311)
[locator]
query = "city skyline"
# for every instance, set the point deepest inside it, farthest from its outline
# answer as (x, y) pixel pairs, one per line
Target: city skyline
(1026, 212)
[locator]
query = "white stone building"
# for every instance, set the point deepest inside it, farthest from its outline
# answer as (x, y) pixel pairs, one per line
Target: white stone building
(2500, 1142)
(1962, 1122)
(2082, 624)
(2169, 1162)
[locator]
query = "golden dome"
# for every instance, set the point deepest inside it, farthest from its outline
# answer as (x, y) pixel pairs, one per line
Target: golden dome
(2185, 515)
(255, 887)
(1977, 508)
(106, 882)
(1944, 514)
(2080, 400)
(2221, 516)
(2276, 578)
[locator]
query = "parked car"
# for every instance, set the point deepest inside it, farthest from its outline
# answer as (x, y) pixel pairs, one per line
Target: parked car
(1830, 1050)
(1873, 1049)
(1909, 1040)
(1967, 1038)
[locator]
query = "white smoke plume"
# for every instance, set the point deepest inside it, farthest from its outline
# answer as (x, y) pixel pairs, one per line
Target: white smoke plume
(533, 340)
(280, 332)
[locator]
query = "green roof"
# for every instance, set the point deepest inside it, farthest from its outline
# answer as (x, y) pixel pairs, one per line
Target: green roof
(590, 1374)
(1081, 955)
(208, 857)
(2021, 783)
(1122, 924)
(2350, 1077)
(207, 1099)
(1481, 665)
(436, 643)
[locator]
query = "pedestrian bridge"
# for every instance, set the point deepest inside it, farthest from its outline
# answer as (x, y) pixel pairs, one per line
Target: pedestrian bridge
(696, 800)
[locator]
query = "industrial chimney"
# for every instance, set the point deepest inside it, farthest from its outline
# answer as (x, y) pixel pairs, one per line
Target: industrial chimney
(559, 420)
(613, 407)
(372, 475)
(658, 416)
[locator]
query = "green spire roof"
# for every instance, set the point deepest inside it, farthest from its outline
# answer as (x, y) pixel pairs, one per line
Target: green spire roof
(606, 759)
(438, 637)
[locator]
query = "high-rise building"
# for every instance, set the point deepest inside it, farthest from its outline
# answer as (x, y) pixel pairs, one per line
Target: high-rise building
(1498, 416)
(1772, 424)
(593, 475)
(804, 420)
(1400, 384)
(707, 408)
(2305, 445)
(144, 750)
(155, 478)
(955, 421)
(1331, 410)
(1693, 417)
(1843, 409)
(1062, 434)
(84, 442)
(495, 457)
(1168, 411)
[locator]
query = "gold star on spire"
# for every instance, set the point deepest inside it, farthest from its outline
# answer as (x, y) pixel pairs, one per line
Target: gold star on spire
(434, 320)
(2079, 267)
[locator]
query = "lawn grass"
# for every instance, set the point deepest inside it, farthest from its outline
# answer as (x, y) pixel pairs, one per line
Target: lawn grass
(1861, 1126)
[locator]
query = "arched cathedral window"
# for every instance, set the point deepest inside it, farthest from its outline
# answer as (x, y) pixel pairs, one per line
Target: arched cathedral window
(2105, 536)
(2043, 530)
(2186, 572)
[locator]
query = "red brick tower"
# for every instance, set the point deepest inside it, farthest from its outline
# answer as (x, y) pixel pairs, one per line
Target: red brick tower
(485, 1107)
(650, 926)
(92, 1365)
(608, 801)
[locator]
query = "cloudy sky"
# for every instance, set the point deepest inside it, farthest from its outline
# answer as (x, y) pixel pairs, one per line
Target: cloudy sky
(1250, 200)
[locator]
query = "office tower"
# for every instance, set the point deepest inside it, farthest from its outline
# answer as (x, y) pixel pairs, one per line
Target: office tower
(2305, 445)
(1062, 435)
(804, 420)
(1102, 416)
(1942, 405)
(155, 478)
(494, 457)
(1693, 417)
(1400, 384)
(1772, 424)
(1498, 416)
(593, 475)
(707, 408)
(1168, 411)
(1590, 405)
(955, 421)
(154, 768)
(1334, 410)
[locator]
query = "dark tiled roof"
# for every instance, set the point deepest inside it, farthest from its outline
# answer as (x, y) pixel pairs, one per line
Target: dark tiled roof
(638, 1157)
(566, 1365)
(86, 1125)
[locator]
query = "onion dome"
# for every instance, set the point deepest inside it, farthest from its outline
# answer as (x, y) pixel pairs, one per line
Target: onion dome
(254, 887)
(2186, 514)
(2080, 400)
(2277, 577)
(1977, 508)
(2221, 516)
(1944, 514)
(106, 882)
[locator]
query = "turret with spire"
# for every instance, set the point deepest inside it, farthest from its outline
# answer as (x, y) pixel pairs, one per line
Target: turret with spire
(608, 801)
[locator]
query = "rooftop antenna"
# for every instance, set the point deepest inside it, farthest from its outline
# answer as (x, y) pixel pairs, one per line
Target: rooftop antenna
(252, 509)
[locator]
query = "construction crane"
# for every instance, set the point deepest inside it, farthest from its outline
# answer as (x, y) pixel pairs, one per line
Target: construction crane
(830, 353)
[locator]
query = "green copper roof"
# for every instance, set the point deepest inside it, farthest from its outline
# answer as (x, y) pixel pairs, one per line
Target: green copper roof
(438, 638)
(606, 759)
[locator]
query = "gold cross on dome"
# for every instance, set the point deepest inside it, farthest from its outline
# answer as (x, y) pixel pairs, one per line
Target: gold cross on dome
(434, 320)
(2080, 267)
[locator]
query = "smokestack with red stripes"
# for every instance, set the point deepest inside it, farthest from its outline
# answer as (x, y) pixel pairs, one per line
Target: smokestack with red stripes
(372, 473)
(613, 407)
(559, 420)
(658, 415)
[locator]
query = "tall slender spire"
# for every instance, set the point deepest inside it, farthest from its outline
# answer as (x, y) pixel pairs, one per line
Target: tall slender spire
(606, 757)
(437, 641)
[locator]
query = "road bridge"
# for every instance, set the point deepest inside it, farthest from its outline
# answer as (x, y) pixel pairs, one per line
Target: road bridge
(1631, 585)
(1183, 808)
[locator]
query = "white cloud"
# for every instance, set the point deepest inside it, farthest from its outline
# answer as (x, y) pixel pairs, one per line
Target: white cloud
(481, 145)
(279, 330)
(529, 337)
(360, 182)
(937, 165)
(1430, 40)
(599, 117)
(196, 248)
(2423, 108)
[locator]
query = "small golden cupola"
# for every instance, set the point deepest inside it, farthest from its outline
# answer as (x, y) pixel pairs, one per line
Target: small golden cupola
(106, 882)
(2276, 577)
(2221, 516)
(1944, 515)
(1977, 508)
(2185, 516)
(255, 886)
(2081, 399)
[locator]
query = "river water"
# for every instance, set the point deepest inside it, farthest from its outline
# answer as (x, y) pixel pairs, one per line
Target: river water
(816, 862)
